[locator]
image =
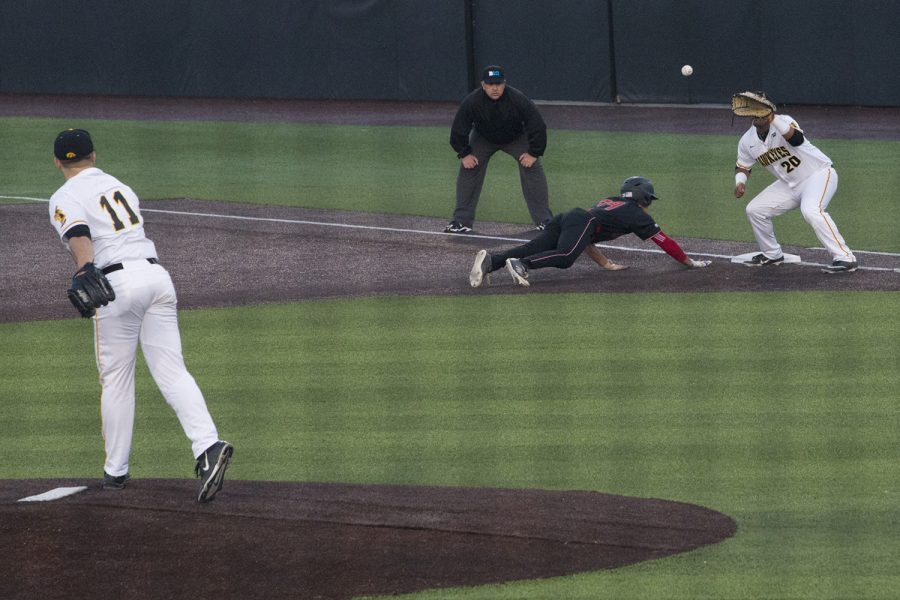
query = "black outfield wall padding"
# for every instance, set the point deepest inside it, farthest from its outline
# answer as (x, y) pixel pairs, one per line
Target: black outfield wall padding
(551, 50)
(838, 52)
(348, 49)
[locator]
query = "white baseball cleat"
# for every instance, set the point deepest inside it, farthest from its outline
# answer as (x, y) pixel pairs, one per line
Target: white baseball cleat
(481, 269)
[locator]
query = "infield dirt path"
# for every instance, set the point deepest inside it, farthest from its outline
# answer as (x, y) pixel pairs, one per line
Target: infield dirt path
(300, 254)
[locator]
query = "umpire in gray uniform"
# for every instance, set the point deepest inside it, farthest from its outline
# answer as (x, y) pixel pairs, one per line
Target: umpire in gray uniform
(496, 117)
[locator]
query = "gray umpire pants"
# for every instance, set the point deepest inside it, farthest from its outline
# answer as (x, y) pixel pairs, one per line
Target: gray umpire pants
(470, 181)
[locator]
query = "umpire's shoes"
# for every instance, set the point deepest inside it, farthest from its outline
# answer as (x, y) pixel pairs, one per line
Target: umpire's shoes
(112, 482)
(480, 272)
(761, 260)
(457, 227)
(841, 266)
(210, 469)
(518, 271)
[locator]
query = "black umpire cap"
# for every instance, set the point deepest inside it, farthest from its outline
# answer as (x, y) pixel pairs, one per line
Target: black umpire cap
(493, 74)
(73, 144)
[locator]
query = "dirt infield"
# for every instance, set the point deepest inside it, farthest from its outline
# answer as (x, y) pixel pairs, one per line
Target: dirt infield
(286, 540)
(305, 254)
(289, 540)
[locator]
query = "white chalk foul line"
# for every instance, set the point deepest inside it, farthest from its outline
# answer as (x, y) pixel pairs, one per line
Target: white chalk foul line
(54, 494)
(440, 233)
(24, 198)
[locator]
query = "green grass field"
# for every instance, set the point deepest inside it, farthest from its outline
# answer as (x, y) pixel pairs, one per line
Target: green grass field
(778, 409)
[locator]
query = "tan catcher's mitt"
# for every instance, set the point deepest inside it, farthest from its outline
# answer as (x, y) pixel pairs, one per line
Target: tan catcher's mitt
(751, 104)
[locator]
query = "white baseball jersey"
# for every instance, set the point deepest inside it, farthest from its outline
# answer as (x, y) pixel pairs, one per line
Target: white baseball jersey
(790, 164)
(144, 312)
(110, 209)
(805, 179)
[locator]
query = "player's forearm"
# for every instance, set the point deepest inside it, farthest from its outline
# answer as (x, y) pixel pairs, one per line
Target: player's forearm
(740, 180)
(82, 250)
(671, 247)
(597, 256)
(785, 130)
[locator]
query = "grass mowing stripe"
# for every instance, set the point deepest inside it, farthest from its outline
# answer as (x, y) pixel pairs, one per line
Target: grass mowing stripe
(412, 170)
(778, 409)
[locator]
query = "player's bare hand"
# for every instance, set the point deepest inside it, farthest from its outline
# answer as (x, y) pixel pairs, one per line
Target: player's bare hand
(527, 160)
(469, 161)
(739, 190)
(611, 266)
(698, 264)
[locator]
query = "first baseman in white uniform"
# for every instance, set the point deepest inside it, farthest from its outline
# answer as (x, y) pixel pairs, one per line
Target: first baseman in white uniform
(804, 179)
(130, 298)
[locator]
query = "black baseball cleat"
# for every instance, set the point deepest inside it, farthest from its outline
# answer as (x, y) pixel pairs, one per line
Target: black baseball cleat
(210, 469)
(518, 271)
(111, 482)
(480, 272)
(760, 260)
(457, 227)
(841, 266)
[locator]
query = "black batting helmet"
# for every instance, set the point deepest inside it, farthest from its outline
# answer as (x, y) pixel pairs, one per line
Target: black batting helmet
(639, 189)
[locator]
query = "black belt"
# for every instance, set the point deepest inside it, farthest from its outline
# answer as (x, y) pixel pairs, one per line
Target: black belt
(119, 266)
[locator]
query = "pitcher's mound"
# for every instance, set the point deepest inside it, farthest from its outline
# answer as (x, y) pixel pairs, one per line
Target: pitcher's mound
(289, 540)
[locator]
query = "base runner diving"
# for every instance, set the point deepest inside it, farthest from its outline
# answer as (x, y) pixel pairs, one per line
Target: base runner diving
(570, 233)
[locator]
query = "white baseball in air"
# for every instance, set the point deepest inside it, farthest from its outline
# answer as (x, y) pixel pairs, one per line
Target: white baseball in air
(687, 70)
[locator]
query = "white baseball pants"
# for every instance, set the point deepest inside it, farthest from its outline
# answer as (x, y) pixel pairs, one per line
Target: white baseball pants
(812, 197)
(144, 311)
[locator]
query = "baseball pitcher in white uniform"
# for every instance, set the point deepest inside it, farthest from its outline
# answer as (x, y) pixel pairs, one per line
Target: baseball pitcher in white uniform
(805, 178)
(120, 284)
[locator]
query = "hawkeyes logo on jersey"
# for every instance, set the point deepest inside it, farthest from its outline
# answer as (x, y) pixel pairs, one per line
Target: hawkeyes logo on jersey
(60, 216)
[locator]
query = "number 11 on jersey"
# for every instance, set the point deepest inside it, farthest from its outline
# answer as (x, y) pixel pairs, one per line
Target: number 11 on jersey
(118, 225)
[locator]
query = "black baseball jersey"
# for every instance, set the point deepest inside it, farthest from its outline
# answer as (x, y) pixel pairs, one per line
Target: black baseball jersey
(615, 216)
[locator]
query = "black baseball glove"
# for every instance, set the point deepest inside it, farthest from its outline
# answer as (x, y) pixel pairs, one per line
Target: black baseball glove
(90, 289)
